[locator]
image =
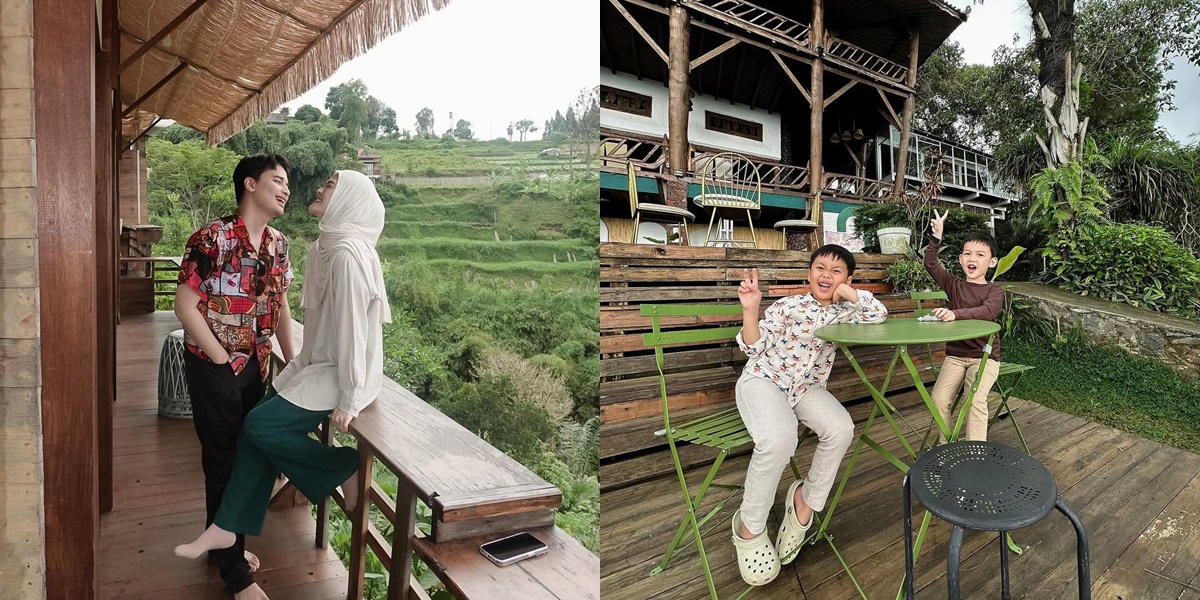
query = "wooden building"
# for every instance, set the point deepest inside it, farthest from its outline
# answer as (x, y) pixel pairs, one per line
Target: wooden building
(805, 90)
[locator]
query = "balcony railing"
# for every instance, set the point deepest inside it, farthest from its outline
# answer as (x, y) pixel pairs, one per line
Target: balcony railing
(852, 187)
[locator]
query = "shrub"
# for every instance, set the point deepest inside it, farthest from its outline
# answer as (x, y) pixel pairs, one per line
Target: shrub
(1136, 264)
(908, 275)
(873, 217)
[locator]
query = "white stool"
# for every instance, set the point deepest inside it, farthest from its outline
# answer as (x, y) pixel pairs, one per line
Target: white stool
(173, 399)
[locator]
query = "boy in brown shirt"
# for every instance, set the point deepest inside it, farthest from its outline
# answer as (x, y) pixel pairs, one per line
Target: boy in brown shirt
(972, 298)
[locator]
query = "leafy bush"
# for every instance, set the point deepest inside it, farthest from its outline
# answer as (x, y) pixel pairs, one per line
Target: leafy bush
(872, 217)
(490, 410)
(908, 275)
(1136, 264)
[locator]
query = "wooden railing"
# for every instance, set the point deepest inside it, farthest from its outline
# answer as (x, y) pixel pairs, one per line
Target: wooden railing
(475, 492)
(773, 174)
(618, 148)
(845, 52)
(852, 187)
(140, 283)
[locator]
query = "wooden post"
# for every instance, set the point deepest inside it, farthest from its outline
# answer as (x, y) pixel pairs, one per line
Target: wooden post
(323, 505)
(64, 64)
(679, 89)
(816, 138)
(360, 522)
(400, 580)
(907, 117)
(106, 332)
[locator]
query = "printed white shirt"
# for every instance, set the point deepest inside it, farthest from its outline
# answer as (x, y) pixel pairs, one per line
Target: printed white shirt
(788, 354)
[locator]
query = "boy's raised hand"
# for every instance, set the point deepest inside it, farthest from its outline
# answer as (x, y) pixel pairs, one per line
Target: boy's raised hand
(748, 291)
(938, 223)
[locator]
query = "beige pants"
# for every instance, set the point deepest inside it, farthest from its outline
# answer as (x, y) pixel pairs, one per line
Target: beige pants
(959, 373)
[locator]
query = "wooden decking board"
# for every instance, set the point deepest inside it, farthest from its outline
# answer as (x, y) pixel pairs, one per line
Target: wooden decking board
(159, 500)
(1138, 500)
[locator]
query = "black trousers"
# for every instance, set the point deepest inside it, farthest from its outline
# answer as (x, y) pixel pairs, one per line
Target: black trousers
(220, 403)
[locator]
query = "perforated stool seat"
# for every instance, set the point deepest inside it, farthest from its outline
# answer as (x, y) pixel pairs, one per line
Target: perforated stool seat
(986, 487)
(173, 399)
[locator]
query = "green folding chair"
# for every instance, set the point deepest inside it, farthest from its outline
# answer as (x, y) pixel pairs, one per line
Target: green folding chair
(722, 431)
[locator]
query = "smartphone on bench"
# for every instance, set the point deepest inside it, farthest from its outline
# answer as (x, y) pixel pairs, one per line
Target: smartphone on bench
(508, 550)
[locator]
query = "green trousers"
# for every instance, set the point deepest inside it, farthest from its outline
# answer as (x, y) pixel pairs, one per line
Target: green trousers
(275, 439)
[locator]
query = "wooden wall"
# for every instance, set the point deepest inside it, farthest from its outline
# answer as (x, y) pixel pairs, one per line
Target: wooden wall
(700, 377)
(21, 544)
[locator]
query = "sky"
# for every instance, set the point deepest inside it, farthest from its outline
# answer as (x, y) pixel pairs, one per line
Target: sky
(994, 23)
(489, 62)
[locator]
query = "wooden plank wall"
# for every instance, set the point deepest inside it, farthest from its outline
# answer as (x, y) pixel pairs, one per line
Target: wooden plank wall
(700, 377)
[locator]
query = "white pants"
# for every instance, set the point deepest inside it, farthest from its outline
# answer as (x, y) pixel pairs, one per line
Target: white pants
(775, 428)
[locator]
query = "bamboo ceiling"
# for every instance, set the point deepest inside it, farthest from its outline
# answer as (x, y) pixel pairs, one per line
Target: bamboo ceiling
(232, 62)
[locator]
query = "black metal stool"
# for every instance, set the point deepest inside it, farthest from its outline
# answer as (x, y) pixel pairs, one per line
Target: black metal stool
(986, 487)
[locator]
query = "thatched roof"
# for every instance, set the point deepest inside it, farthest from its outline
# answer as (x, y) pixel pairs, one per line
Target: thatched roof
(237, 60)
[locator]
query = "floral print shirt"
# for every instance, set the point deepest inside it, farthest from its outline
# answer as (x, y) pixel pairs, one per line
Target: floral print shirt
(788, 354)
(241, 287)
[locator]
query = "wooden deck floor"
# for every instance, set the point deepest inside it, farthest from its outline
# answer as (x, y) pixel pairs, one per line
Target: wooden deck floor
(159, 499)
(1139, 501)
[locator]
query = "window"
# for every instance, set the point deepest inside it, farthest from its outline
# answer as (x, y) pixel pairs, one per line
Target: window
(733, 126)
(625, 101)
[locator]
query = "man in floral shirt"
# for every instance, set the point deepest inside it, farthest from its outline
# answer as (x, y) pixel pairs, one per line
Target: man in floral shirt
(232, 298)
(783, 385)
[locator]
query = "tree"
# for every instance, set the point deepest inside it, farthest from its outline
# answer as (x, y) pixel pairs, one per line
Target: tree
(387, 122)
(309, 113)
(192, 179)
(510, 131)
(586, 110)
(176, 133)
(425, 123)
(348, 105)
(525, 126)
(285, 111)
(462, 130)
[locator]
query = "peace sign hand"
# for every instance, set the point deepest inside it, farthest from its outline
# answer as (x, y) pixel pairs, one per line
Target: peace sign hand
(938, 223)
(748, 291)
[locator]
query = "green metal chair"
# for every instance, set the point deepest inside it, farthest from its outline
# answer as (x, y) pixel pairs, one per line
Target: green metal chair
(722, 431)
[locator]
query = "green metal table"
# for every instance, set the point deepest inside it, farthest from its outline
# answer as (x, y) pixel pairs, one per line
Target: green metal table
(900, 333)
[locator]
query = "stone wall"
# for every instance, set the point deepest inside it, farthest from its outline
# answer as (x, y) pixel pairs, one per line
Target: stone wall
(1174, 341)
(22, 534)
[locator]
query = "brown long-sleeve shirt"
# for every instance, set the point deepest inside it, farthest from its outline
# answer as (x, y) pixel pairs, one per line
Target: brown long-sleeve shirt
(983, 301)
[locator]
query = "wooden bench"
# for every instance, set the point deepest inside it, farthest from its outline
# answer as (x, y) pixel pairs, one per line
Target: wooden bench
(701, 376)
(476, 494)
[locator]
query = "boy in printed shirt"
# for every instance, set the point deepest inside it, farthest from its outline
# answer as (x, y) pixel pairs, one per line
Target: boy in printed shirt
(973, 298)
(783, 385)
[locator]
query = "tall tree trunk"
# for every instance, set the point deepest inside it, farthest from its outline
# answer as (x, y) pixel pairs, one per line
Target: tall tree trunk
(1054, 37)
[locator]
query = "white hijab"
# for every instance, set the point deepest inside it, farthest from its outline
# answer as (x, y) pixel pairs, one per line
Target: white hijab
(353, 220)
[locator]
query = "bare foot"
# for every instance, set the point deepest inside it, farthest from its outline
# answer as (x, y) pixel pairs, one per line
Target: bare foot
(251, 593)
(213, 538)
(253, 560)
(350, 492)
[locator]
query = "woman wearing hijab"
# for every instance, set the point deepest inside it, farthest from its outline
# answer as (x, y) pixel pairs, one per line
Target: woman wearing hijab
(337, 373)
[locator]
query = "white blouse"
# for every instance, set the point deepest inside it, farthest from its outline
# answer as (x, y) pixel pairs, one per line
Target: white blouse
(340, 364)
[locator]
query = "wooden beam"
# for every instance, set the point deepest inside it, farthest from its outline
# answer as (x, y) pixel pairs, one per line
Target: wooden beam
(758, 84)
(906, 119)
(713, 53)
(164, 81)
(143, 133)
(607, 53)
(680, 94)
(795, 81)
(158, 37)
(737, 78)
(838, 94)
(895, 119)
(641, 31)
(816, 139)
(106, 214)
(64, 62)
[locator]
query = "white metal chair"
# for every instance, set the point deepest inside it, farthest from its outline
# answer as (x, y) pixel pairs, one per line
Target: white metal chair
(730, 182)
(659, 212)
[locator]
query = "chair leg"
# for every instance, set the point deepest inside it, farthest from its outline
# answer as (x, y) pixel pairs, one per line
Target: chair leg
(1004, 594)
(753, 236)
(636, 220)
(711, 219)
(909, 585)
(952, 560)
(1083, 558)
